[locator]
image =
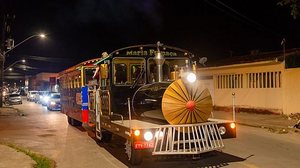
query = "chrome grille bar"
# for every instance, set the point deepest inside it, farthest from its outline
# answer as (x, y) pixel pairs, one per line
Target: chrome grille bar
(187, 139)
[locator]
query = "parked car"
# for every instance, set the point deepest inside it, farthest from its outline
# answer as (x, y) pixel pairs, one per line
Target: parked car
(40, 96)
(45, 99)
(54, 102)
(32, 95)
(14, 98)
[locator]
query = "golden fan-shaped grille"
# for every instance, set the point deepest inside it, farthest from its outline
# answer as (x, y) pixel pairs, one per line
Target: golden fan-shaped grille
(175, 99)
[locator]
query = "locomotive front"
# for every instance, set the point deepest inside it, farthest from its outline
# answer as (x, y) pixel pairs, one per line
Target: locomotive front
(181, 99)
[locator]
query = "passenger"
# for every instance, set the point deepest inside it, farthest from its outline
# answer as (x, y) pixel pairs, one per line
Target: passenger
(120, 74)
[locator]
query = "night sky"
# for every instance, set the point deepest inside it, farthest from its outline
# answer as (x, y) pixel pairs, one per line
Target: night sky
(82, 29)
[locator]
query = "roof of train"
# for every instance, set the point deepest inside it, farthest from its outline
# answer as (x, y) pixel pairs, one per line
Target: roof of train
(84, 63)
(105, 56)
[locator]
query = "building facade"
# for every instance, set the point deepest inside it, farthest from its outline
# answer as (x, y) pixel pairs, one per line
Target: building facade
(269, 83)
(43, 81)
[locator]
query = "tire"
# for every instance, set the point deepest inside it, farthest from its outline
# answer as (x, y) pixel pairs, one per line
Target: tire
(103, 136)
(74, 122)
(135, 157)
(106, 136)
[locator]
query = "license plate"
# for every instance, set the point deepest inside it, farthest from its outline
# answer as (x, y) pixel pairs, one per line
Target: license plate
(143, 145)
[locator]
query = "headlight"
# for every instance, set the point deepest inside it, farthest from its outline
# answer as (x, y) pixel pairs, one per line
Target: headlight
(52, 103)
(137, 132)
(232, 125)
(46, 98)
(222, 130)
(148, 136)
(191, 77)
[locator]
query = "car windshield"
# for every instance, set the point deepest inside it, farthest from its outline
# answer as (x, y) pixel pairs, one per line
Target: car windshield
(14, 95)
(55, 96)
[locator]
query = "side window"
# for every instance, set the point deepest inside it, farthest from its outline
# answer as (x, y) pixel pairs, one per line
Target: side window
(120, 74)
(78, 82)
(136, 72)
(88, 73)
(127, 70)
(74, 82)
(69, 83)
(170, 69)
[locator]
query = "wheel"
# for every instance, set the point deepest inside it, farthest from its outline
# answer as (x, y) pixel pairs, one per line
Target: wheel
(106, 136)
(135, 157)
(103, 136)
(74, 122)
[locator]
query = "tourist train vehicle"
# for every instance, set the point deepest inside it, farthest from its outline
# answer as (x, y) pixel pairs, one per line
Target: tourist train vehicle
(147, 94)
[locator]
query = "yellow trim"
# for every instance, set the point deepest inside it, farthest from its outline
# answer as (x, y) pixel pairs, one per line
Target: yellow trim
(81, 74)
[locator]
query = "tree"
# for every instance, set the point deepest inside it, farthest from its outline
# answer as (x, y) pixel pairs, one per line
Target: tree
(293, 4)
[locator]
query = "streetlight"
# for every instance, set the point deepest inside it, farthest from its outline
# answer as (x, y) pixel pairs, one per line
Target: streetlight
(2, 60)
(42, 36)
(9, 67)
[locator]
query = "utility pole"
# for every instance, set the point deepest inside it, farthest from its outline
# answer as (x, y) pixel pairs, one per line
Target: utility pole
(283, 48)
(2, 57)
(5, 30)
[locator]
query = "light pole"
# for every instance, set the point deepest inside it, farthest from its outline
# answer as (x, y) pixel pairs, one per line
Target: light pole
(2, 61)
(42, 36)
(11, 65)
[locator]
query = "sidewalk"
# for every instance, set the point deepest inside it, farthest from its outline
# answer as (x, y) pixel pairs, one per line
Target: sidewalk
(8, 111)
(274, 122)
(9, 157)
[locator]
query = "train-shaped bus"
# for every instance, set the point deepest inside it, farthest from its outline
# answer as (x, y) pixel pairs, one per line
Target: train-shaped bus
(149, 95)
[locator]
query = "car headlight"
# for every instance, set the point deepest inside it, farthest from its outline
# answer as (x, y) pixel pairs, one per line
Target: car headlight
(222, 130)
(52, 103)
(191, 77)
(46, 98)
(148, 136)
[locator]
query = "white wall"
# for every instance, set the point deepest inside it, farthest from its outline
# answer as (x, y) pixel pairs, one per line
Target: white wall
(270, 99)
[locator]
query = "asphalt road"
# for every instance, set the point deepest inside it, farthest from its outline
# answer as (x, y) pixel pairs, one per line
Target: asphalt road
(48, 133)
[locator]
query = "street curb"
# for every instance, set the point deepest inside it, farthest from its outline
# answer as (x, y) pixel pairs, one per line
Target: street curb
(39, 159)
(18, 112)
(275, 129)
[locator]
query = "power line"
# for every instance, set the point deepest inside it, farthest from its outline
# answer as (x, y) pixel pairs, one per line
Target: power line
(239, 16)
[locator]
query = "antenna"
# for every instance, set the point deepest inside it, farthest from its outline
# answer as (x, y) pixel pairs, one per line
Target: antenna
(203, 60)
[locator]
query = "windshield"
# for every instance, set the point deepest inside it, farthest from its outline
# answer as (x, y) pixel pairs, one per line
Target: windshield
(55, 96)
(170, 68)
(128, 70)
(14, 95)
